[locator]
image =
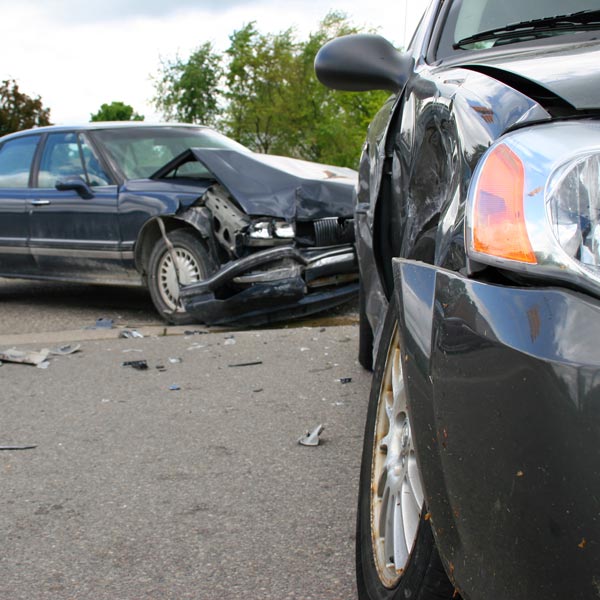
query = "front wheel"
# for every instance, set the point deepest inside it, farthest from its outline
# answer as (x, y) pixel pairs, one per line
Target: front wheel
(193, 264)
(396, 557)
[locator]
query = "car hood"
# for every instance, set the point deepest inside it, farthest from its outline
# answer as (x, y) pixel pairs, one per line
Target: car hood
(276, 186)
(568, 71)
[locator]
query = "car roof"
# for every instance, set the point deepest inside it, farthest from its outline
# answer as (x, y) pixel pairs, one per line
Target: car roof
(98, 125)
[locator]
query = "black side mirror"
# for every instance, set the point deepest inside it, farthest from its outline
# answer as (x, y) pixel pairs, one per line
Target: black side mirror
(362, 62)
(74, 183)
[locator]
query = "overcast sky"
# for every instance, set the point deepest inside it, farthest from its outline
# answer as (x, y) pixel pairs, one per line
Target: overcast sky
(80, 54)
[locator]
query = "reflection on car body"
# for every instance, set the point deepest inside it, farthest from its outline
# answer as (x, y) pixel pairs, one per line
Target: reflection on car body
(218, 233)
(478, 238)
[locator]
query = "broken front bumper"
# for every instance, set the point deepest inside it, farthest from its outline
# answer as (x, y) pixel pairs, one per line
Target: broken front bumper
(503, 387)
(274, 284)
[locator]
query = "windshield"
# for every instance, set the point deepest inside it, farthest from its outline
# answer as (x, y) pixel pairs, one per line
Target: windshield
(141, 151)
(467, 18)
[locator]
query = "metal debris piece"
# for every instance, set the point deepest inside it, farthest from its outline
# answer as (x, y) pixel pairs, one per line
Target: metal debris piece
(174, 387)
(30, 447)
(346, 380)
(311, 438)
(66, 349)
(130, 333)
(140, 365)
(247, 364)
(103, 323)
(25, 357)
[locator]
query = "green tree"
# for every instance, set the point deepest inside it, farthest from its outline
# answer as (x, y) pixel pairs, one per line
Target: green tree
(258, 78)
(189, 91)
(116, 111)
(18, 110)
(264, 93)
(332, 125)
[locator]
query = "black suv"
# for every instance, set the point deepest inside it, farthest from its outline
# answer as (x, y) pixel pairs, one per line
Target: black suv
(478, 235)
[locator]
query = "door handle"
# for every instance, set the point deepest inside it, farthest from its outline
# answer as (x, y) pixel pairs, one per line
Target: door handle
(39, 202)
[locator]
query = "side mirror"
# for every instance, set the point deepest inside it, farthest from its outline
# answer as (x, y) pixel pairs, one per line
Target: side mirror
(76, 184)
(362, 62)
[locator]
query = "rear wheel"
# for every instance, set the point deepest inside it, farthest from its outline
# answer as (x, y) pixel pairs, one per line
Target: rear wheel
(396, 555)
(193, 264)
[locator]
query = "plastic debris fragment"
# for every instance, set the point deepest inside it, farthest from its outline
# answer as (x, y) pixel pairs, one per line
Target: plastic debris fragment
(66, 349)
(140, 365)
(103, 323)
(174, 387)
(311, 438)
(175, 360)
(130, 333)
(346, 380)
(247, 364)
(30, 357)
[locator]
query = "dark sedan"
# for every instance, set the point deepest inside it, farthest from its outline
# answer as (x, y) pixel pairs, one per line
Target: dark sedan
(478, 235)
(217, 232)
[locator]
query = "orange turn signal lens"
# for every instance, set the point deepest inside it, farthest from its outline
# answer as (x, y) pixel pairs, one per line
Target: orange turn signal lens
(498, 227)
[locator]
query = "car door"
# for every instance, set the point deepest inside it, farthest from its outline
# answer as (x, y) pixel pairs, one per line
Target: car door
(71, 236)
(16, 157)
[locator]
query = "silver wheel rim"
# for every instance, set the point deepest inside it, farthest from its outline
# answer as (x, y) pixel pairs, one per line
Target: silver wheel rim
(396, 488)
(190, 271)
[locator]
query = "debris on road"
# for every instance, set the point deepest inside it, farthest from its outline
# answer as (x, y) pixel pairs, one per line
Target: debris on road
(175, 360)
(66, 349)
(174, 387)
(29, 447)
(311, 438)
(102, 323)
(139, 365)
(346, 380)
(30, 357)
(194, 332)
(229, 341)
(130, 333)
(247, 364)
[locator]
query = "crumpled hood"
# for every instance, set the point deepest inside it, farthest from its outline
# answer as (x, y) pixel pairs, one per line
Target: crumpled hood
(276, 186)
(569, 71)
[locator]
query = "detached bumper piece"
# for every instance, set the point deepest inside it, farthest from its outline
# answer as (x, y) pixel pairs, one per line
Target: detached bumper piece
(273, 285)
(503, 386)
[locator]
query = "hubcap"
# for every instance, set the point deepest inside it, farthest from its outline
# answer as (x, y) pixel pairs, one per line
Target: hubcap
(396, 488)
(190, 271)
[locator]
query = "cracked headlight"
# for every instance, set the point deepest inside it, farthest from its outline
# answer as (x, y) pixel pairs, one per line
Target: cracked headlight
(270, 232)
(534, 203)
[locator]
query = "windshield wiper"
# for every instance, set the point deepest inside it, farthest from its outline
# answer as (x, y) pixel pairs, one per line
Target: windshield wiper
(585, 19)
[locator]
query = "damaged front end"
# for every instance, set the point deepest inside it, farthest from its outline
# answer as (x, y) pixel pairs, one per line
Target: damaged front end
(283, 242)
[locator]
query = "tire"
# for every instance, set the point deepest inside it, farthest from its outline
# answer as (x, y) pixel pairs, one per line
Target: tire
(407, 564)
(365, 333)
(194, 265)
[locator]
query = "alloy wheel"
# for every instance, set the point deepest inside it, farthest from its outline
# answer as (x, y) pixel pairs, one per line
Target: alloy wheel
(396, 489)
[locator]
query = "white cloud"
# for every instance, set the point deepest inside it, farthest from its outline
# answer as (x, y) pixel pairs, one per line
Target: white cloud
(75, 64)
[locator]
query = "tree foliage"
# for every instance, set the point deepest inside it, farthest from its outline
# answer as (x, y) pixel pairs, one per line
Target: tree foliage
(18, 110)
(263, 92)
(116, 111)
(189, 91)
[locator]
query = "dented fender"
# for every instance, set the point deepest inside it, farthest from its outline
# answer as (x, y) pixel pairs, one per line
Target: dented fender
(488, 370)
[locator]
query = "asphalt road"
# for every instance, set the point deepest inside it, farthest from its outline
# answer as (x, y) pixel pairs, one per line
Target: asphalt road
(137, 491)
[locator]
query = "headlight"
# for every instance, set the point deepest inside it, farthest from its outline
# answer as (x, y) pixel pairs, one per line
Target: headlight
(265, 233)
(534, 203)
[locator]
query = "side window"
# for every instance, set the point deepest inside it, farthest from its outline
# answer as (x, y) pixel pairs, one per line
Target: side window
(15, 161)
(96, 174)
(60, 158)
